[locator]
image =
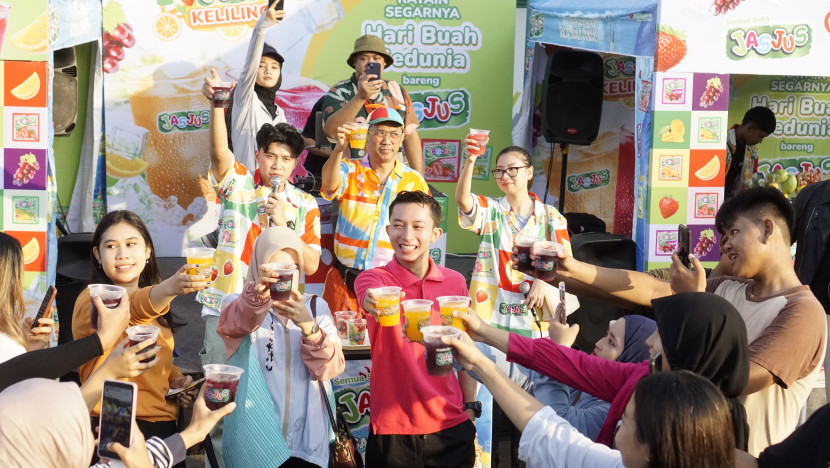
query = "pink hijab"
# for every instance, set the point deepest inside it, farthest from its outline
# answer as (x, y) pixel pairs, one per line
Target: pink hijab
(44, 423)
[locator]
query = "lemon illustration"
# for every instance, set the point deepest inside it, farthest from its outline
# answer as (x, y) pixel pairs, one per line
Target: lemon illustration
(123, 168)
(34, 38)
(28, 89)
(30, 251)
(710, 170)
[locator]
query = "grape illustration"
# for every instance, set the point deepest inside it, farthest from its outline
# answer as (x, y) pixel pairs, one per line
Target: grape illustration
(705, 243)
(712, 92)
(26, 170)
(115, 42)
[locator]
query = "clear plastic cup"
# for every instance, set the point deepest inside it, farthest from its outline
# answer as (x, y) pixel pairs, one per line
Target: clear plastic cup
(139, 333)
(340, 322)
(480, 136)
(356, 329)
(357, 137)
(222, 95)
(221, 382)
(450, 304)
(547, 259)
(439, 356)
(416, 314)
(389, 305)
(281, 290)
(524, 245)
(110, 294)
(201, 256)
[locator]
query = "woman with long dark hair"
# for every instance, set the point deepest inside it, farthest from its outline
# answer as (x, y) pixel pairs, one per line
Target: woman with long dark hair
(123, 255)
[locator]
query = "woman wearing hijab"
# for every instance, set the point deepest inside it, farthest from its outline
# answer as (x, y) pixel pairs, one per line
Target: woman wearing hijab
(703, 321)
(625, 341)
(290, 345)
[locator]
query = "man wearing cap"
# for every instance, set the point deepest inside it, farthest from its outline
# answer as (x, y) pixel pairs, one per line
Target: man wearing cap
(352, 100)
(253, 98)
(364, 187)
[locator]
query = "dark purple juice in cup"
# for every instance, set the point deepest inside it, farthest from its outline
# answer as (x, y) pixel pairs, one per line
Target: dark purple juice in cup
(281, 290)
(547, 260)
(136, 339)
(524, 245)
(439, 359)
(221, 96)
(219, 394)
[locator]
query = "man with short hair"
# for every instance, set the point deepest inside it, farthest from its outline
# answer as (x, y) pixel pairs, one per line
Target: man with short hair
(785, 323)
(352, 99)
(741, 154)
(364, 187)
(416, 419)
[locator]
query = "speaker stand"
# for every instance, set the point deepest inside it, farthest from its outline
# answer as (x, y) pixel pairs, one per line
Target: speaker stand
(563, 148)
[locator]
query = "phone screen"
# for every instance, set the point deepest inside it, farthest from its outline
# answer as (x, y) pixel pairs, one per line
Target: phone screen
(280, 4)
(373, 68)
(683, 244)
(117, 406)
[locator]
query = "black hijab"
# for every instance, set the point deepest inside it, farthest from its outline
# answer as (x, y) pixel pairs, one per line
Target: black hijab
(704, 333)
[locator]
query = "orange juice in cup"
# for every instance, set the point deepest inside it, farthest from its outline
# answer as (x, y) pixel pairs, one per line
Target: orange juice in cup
(357, 137)
(201, 256)
(416, 316)
(450, 304)
(389, 305)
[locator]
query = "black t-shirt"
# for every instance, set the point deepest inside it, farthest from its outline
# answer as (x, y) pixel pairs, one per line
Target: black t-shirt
(807, 447)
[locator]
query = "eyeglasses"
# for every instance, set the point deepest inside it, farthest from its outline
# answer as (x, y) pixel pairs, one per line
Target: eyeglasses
(510, 171)
(381, 134)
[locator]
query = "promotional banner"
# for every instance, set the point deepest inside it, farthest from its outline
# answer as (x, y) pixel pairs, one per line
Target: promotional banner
(801, 142)
(156, 54)
(623, 27)
(733, 36)
(687, 164)
(600, 178)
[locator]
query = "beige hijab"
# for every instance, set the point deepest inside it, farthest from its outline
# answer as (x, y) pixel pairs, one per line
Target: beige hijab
(269, 241)
(44, 423)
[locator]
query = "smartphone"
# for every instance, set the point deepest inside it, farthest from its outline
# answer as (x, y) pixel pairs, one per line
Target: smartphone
(563, 318)
(118, 401)
(280, 4)
(655, 363)
(373, 68)
(175, 391)
(45, 305)
(683, 244)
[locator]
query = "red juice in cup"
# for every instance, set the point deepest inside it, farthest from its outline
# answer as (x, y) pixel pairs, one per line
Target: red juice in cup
(340, 322)
(139, 333)
(110, 295)
(547, 260)
(439, 357)
(221, 382)
(481, 140)
(524, 245)
(281, 289)
(222, 95)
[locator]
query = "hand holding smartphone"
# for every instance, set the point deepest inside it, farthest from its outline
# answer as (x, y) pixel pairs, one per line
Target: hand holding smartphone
(45, 305)
(118, 402)
(684, 244)
(373, 68)
(193, 385)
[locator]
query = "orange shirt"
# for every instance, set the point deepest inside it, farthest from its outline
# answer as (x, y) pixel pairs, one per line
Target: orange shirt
(153, 384)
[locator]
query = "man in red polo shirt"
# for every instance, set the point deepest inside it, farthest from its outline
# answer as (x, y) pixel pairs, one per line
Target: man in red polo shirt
(415, 419)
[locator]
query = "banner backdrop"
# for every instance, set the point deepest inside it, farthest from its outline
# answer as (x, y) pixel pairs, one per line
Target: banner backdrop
(802, 109)
(758, 36)
(157, 120)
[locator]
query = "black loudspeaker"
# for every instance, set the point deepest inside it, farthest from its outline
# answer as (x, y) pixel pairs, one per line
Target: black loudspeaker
(572, 97)
(606, 250)
(65, 85)
(74, 273)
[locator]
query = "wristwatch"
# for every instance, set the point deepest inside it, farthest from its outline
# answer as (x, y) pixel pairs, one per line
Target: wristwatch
(314, 330)
(475, 406)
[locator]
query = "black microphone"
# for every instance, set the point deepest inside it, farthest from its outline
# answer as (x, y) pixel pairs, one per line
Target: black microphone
(524, 288)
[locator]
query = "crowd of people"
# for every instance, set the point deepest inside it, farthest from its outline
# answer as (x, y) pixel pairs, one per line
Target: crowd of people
(719, 378)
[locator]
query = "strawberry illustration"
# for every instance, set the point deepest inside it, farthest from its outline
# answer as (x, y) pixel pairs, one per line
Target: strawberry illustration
(213, 273)
(227, 268)
(668, 206)
(481, 296)
(671, 48)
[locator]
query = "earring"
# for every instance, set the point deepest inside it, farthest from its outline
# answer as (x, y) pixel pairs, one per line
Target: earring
(99, 266)
(148, 261)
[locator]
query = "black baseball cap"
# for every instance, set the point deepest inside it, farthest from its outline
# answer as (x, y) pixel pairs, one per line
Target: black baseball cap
(268, 51)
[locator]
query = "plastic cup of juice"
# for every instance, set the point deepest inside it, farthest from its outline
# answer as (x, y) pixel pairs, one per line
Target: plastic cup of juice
(221, 382)
(439, 356)
(416, 314)
(357, 137)
(480, 136)
(281, 290)
(389, 305)
(524, 244)
(202, 257)
(111, 296)
(340, 322)
(547, 259)
(139, 333)
(356, 329)
(450, 304)
(222, 95)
